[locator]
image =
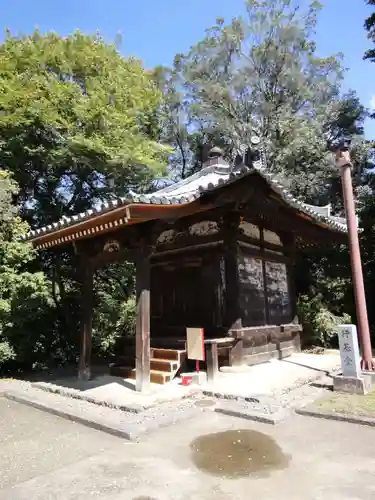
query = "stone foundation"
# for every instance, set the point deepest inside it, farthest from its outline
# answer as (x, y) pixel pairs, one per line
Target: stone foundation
(352, 385)
(266, 343)
(261, 357)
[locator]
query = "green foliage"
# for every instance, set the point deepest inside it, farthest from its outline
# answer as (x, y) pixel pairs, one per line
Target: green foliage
(6, 353)
(319, 324)
(114, 315)
(261, 75)
(370, 28)
(78, 124)
(323, 282)
(113, 322)
(75, 122)
(367, 241)
(24, 295)
(127, 317)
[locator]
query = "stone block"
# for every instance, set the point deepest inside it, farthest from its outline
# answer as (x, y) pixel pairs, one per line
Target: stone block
(366, 373)
(199, 378)
(353, 385)
(255, 359)
(349, 351)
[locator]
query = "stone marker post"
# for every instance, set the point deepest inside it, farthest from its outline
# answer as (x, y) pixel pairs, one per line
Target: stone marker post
(349, 351)
(351, 379)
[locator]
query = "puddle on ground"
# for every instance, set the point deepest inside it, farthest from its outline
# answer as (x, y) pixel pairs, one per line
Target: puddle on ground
(238, 453)
(144, 498)
(205, 403)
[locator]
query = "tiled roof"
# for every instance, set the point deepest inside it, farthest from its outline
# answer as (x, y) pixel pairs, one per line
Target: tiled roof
(209, 178)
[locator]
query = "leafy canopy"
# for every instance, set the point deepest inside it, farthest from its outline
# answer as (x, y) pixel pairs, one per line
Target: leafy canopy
(370, 28)
(24, 295)
(261, 75)
(76, 122)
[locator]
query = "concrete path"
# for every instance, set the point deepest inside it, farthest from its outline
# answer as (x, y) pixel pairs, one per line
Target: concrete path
(43, 457)
(116, 392)
(276, 377)
(268, 379)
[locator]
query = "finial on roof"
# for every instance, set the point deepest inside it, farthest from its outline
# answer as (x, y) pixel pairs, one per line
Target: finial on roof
(215, 152)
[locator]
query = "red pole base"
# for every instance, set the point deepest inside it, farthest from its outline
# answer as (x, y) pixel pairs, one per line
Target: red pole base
(368, 365)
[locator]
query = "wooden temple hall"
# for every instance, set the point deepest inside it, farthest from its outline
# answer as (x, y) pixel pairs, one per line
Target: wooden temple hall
(214, 251)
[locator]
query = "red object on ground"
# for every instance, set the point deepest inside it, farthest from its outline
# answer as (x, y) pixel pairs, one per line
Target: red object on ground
(186, 379)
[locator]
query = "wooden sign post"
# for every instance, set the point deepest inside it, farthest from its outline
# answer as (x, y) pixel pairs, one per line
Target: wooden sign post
(195, 345)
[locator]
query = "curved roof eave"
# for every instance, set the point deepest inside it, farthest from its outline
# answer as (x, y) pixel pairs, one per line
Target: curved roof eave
(185, 192)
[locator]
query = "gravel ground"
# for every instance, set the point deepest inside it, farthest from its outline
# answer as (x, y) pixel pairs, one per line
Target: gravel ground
(43, 457)
(10, 384)
(302, 394)
(289, 398)
(127, 424)
(33, 443)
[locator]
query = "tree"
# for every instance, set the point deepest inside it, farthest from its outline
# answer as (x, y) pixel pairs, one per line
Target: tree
(75, 122)
(260, 75)
(370, 28)
(78, 124)
(24, 295)
(174, 121)
(189, 138)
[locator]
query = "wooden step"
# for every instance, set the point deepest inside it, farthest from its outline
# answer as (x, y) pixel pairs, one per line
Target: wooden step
(171, 354)
(163, 365)
(156, 376)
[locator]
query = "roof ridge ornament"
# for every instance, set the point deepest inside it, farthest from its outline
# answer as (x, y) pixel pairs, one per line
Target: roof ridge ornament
(215, 160)
(252, 156)
(215, 152)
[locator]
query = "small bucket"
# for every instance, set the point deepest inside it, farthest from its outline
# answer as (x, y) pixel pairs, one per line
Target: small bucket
(186, 380)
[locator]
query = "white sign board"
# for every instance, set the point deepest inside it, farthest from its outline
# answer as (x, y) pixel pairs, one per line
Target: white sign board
(195, 343)
(349, 351)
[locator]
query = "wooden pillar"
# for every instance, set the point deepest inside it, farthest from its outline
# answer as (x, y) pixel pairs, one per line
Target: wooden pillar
(233, 318)
(84, 368)
(236, 355)
(212, 361)
(142, 344)
(291, 249)
(265, 285)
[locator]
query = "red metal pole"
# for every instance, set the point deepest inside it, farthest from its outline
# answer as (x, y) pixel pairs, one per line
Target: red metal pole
(343, 161)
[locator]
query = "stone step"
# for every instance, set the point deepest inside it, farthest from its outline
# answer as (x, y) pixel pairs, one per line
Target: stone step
(156, 376)
(170, 354)
(116, 422)
(164, 365)
(83, 412)
(128, 358)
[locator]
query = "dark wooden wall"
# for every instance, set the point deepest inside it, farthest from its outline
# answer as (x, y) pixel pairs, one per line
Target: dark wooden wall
(227, 278)
(186, 290)
(265, 297)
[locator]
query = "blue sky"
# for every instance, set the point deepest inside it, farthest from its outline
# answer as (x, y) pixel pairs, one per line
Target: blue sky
(155, 30)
